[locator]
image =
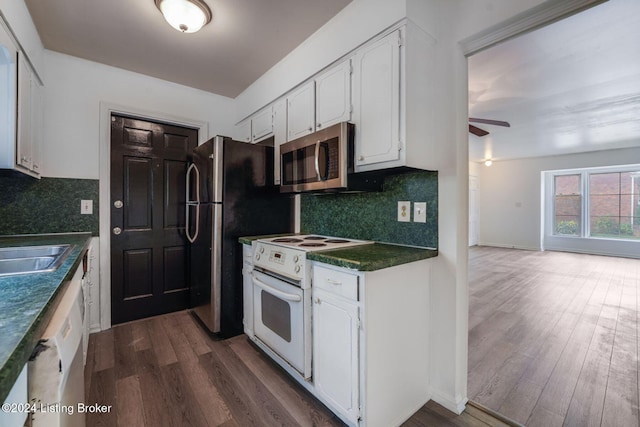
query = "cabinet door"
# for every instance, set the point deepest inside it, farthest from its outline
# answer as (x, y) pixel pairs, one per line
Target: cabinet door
(376, 102)
(262, 125)
(333, 96)
(23, 153)
(279, 135)
(301, 112)
(335, 352)
(7, 99)
(36, 126)
(243, 131)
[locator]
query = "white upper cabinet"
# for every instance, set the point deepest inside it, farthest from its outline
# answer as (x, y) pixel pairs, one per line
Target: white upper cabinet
(279, 135)
(376, 101)
(28, 157)
(8, 98)
(301, 111)
(321, 102)
(242, 131)
(333, 96)
(262, 125)
(256, 128)
(20, 109)
(394, 127)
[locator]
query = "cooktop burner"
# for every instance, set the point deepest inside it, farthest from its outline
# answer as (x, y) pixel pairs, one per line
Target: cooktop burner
(312, 242)
(287, 240)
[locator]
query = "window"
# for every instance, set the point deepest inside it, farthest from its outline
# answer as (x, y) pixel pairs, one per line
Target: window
(568, 205)
(601, 203)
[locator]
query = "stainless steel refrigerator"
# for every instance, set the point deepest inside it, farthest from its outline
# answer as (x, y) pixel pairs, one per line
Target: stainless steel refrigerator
(230, 193)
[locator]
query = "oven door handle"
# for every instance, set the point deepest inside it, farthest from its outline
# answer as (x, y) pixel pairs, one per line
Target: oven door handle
(278, 293)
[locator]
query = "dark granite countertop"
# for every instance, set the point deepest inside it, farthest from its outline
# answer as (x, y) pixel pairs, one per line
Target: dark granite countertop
(372, 257)
(26, 302)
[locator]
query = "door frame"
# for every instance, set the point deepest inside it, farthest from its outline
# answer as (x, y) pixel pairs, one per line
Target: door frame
(106, 110)
(531, 19)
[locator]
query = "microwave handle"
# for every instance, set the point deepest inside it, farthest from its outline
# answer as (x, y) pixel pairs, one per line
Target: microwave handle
(317, 161)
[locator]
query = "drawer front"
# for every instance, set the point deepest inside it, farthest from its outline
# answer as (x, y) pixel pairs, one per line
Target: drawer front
(337, 282)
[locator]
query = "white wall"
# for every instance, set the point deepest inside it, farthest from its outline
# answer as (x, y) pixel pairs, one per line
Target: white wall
(74, 91)
(506, 184)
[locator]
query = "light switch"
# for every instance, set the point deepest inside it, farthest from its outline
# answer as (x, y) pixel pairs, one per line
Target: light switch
(404, 211)
(86, 207)
(420, 212)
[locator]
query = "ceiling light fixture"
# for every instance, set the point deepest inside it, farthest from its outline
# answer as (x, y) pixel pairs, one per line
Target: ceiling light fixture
(186, 16)
(488, 162)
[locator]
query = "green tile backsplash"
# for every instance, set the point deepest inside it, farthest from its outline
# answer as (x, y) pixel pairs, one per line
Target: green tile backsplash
(47, 205)
(373, 216)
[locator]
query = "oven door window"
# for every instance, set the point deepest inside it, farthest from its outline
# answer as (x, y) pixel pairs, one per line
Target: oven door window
(276, 315)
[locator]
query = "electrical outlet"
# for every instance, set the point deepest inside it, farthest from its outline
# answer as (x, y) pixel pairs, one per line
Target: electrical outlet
(86, 207)
(404, 211)
(420, 212)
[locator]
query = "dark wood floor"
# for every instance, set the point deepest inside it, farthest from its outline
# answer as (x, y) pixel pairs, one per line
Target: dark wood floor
(165, 371)
(553, 337)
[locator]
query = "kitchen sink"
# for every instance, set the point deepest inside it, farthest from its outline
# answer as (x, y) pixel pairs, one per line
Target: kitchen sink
(32, 259)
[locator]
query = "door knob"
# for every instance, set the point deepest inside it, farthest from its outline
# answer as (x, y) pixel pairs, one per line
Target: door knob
(118, 204)
(117, 230)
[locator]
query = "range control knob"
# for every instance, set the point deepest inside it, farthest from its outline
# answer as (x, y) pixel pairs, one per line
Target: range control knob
(261, 249)
(296, 258)
(297, 269)
(257, 257)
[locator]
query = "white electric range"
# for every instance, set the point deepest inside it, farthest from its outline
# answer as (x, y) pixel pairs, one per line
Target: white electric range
(286, 256)
(281, 303)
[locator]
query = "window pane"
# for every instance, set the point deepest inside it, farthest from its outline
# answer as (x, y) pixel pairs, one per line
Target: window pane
(613, 205)
(567, 206)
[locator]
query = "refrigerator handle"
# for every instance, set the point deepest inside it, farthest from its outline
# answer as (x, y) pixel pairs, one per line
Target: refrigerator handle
(190, 203)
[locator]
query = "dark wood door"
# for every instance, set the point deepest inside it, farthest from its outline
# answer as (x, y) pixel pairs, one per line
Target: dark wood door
(148, 243)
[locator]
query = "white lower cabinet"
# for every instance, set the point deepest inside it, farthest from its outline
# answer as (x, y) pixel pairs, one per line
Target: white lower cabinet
(15, 408)
(335, 355)
(247, 290)
(371, 342)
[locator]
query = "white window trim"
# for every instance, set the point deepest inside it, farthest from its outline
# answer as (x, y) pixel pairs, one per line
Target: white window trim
(583, 243)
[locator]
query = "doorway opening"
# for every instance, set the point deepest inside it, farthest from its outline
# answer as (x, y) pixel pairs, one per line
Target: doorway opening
(551, 333)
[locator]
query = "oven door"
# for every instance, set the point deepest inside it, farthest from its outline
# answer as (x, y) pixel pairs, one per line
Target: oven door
(280, 320)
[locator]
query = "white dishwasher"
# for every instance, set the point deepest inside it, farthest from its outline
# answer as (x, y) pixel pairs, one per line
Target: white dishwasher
(55, 369)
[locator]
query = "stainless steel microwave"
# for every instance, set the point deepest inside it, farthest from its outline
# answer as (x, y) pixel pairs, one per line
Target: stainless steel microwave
(320, 161)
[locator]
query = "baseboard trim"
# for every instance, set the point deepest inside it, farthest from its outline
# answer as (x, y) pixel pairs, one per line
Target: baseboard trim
(449, 402)
(494, 414)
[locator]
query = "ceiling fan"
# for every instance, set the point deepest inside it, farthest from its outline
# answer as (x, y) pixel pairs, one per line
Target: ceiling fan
(481, 132)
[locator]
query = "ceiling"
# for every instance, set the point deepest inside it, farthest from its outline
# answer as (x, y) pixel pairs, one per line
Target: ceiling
(573, 86)
(244, 39)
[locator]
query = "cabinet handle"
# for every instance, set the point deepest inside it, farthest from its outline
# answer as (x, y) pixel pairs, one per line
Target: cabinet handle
(334, 282)
(361, 158)
(35, 166)
(310, 129)
(117, 231)
(317, 301)
(319, 125)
